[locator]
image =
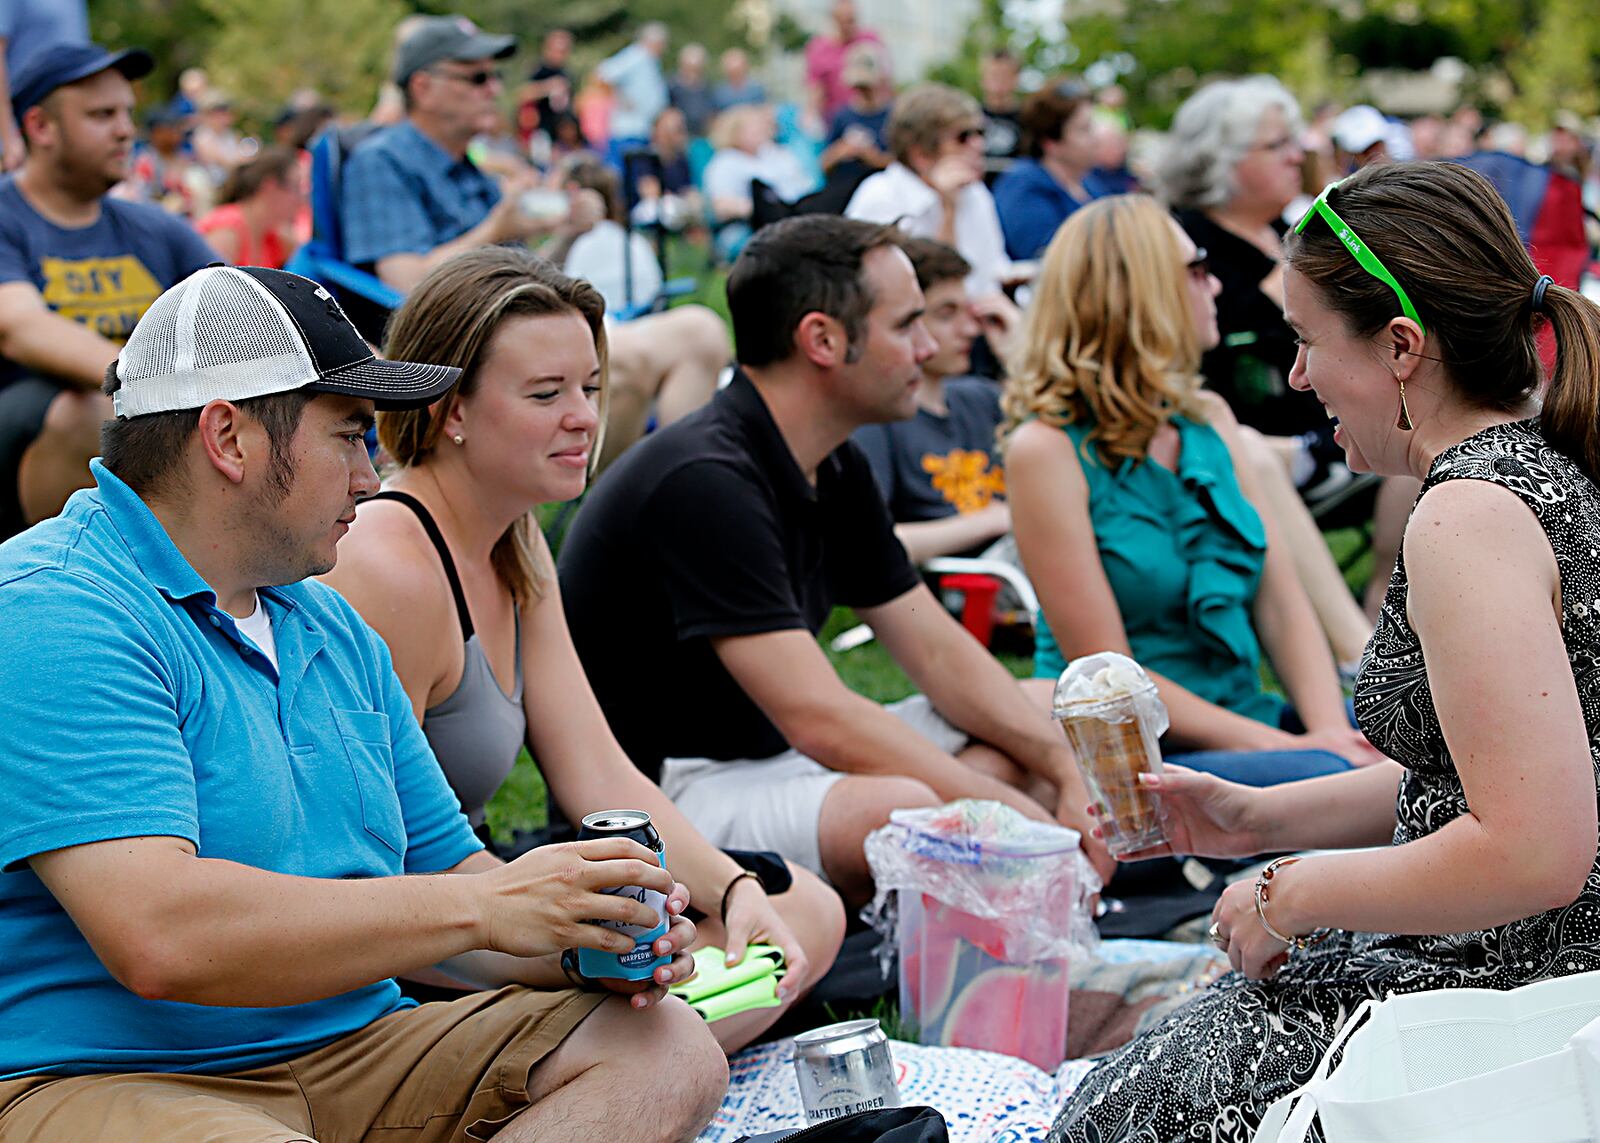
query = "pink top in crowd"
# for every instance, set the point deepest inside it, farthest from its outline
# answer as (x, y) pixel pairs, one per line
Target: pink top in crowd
(270, 254)
(825, 67)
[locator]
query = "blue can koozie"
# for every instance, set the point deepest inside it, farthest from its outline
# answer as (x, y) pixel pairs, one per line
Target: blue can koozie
(641, 962)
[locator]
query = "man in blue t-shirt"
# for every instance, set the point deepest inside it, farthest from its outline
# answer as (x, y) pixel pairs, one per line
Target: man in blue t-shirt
(857, 143)
(940, 472)
(77, 270)
(224, 833)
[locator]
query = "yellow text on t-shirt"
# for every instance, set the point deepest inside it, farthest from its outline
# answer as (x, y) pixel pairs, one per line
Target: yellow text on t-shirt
(107, 294)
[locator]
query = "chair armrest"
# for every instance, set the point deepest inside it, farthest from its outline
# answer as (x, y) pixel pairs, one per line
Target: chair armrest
(313, 263)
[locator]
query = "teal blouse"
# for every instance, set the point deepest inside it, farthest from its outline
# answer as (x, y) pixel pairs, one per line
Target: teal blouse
(1183, 552)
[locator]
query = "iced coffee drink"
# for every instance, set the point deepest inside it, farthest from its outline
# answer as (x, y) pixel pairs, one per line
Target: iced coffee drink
(1114, 719)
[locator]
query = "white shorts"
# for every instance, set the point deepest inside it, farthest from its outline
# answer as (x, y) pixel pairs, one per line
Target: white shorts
(776, 803)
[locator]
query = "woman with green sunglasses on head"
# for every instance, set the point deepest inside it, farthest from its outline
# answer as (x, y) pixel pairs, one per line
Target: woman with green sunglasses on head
(1416, 309)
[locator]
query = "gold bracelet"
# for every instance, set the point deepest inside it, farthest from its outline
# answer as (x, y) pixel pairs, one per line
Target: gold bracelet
(1263, 880)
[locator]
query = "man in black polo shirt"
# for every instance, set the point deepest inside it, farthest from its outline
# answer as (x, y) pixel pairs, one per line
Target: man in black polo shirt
(704, 563)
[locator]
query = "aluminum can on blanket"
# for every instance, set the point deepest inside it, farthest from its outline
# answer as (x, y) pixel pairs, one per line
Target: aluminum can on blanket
(641, 961)
(843, 1069)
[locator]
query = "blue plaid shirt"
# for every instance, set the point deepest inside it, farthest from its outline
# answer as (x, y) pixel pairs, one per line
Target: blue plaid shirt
(403, 194)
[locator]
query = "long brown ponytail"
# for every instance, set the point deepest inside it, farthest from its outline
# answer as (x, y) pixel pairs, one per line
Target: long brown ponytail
(1571, 418)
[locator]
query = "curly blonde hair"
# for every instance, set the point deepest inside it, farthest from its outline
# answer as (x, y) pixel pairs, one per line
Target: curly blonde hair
(1110, 337)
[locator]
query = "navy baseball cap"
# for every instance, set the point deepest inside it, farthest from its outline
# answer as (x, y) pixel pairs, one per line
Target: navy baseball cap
(61, 64)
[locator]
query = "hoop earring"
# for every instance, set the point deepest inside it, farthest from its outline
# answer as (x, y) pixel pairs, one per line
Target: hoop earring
(1404, 422)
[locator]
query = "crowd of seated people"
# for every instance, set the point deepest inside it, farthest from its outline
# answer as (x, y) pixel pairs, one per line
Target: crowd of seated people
(298, 682)
(411, 199)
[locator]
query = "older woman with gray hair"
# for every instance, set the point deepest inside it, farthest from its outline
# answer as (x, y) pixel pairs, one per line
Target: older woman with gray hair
(1230, 167)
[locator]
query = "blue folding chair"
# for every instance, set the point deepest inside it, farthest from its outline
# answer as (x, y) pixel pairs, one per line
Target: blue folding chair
(364, 296)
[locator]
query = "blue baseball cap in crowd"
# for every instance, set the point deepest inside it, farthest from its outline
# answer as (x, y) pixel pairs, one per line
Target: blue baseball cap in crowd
(61, 64)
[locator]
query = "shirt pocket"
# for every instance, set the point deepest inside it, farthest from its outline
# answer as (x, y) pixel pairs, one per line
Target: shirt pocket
(365, 735)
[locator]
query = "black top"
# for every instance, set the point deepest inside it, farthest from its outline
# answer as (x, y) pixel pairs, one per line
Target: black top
(436, 537)
(674, 175)
(1251, 367)
(1002, 134)
(709, 528)
(548, 114)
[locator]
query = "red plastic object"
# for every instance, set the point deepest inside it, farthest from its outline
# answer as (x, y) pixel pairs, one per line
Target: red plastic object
(977, 609)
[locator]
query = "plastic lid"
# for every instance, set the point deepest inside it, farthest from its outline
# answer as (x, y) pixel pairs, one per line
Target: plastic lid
(1097, 681)
(967, 831)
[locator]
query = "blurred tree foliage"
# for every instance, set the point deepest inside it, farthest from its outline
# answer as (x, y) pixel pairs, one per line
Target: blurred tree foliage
(178, 32)
(338, 48)
(1554, 67)
(1160, 50)
(262, 51)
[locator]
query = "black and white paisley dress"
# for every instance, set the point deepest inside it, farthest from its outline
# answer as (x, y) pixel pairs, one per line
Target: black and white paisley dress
(1210, 1070)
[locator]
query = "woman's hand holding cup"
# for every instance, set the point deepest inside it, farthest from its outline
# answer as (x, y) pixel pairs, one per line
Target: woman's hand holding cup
(1202, 816)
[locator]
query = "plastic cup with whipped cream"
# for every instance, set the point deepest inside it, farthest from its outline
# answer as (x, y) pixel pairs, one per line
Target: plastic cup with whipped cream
(1114, 718)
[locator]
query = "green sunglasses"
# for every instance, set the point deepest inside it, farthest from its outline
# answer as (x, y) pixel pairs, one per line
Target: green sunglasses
(1364, 257)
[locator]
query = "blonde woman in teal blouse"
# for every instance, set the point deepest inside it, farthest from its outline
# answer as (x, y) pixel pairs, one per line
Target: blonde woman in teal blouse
(1134, 508)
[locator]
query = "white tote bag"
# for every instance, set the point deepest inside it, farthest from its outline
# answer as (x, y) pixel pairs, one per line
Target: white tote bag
(1458, 1066)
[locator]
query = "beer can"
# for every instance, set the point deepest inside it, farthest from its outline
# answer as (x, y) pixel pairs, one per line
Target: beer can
(641, 962)
(843, 1069)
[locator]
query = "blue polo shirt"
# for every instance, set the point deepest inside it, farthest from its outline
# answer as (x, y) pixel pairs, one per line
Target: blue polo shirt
(131, 706)
(401, 193)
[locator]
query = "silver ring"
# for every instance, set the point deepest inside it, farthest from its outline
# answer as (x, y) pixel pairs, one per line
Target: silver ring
(1216, 936)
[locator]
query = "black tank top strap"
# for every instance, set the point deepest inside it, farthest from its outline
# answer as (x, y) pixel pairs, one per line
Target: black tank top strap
(432, 528)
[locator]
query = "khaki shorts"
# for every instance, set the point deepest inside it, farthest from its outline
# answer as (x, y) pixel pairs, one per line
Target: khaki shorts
(448, 1071)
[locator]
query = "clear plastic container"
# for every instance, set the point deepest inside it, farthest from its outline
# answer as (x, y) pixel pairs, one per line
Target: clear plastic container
(988, 909)
(958, 987)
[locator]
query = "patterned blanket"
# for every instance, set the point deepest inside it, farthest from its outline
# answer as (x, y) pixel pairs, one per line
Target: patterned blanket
(985, 1096)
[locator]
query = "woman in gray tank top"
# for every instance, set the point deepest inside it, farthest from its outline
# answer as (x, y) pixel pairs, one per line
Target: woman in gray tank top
(452, 570)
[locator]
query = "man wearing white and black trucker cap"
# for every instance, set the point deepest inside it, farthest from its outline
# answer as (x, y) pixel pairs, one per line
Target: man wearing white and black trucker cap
(217, 795)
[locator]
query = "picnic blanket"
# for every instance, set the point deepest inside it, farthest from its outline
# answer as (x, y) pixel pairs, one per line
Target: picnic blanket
(987, 1097)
